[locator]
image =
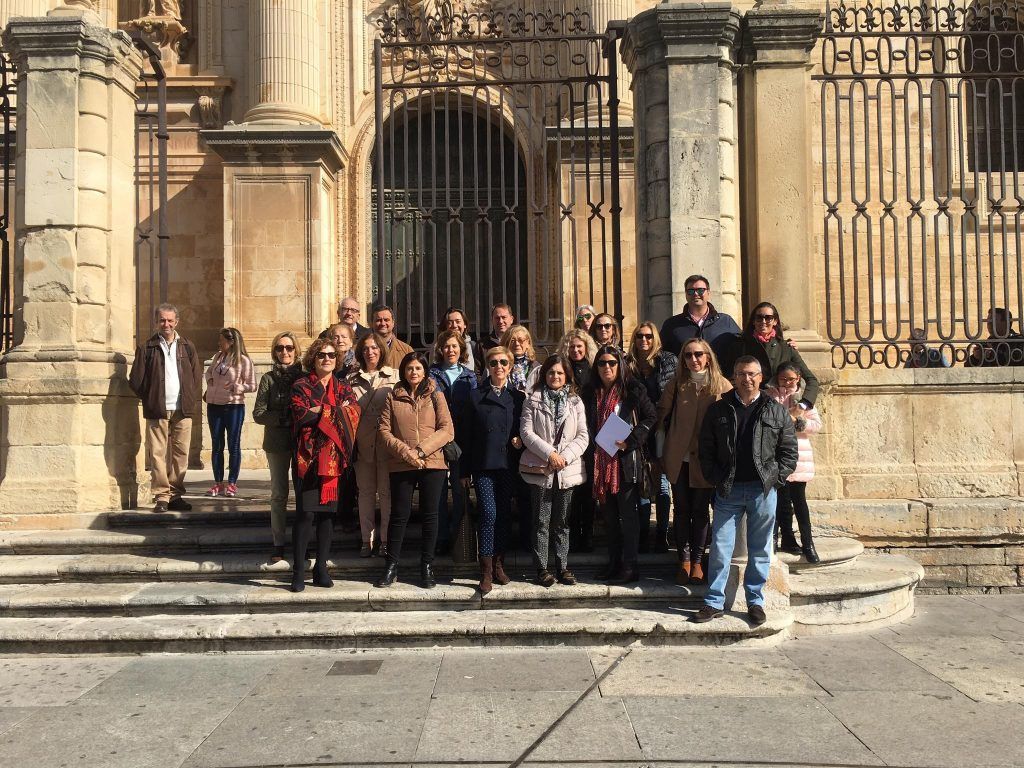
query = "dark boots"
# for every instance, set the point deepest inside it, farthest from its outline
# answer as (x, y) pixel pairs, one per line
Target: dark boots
(500, 577)
(486, 575)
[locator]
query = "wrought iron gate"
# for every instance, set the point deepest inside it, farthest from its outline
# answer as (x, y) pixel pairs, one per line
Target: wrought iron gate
(496, 170)
(922, 131)
(8, 87)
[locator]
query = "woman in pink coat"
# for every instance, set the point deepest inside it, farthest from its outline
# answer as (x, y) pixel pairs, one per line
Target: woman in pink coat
(788, 389)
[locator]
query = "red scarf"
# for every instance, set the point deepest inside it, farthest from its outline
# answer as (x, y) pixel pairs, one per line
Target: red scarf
(324, 443)
(606, 468)
(765, 337)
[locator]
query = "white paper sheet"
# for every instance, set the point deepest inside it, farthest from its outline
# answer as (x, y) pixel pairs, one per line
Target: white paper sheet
(614, 430)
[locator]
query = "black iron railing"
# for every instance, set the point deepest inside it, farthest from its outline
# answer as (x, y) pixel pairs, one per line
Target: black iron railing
(8, 88)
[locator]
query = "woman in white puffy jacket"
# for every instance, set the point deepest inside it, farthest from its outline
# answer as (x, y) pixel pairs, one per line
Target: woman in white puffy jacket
(788, 389)
(554, 432)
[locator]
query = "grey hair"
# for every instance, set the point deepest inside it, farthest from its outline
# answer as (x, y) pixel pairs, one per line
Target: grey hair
(747, 360)
(166, 308)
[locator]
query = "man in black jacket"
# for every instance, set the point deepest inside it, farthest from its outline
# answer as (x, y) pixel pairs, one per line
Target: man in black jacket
(747, 449)
(699, 319)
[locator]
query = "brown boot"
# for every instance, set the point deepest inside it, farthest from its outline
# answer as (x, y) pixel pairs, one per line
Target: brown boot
(696, 572)
(683, 577)
(500, 577)
(486, 573)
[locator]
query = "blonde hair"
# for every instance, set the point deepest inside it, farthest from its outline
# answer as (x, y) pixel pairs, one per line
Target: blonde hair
(277, 340)
(647, 361)
(716, 383)
(531, 353)
(586, 338)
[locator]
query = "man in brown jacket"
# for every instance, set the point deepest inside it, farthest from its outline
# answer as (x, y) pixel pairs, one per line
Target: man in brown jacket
(167, 376)
(384, 324)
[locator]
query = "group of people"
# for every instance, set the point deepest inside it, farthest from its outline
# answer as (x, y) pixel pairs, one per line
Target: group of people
(698, 413)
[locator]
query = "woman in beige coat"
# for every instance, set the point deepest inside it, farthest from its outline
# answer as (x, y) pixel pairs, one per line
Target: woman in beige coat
(372, 383)
(697, 384)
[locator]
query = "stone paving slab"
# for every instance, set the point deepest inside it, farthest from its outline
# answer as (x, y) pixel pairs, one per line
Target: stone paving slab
(11, 716)
(927, 729)
(509, 670)
(689, 672)
(783, 730)
(43, 682)
(948, 615)
(411, 672)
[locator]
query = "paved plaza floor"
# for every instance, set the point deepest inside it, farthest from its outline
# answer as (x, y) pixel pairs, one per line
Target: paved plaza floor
(943, 689)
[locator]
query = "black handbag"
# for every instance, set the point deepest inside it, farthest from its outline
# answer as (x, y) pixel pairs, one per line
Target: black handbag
(452, 452)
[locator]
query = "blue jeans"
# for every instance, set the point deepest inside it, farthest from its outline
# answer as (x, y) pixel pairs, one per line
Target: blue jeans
(748, 499)
(226, 420)
(663, 502)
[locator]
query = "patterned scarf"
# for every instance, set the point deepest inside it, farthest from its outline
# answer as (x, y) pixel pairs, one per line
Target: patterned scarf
(764, 338)
(556, 400)
(520, 372)
(323, 446)
(606, 468)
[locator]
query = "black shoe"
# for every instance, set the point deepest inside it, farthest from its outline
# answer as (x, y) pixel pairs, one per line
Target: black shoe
(790, 546)
(811, 554)
(427, 580)
(178, 504)
(390, 575)
(706, 613)
(756, 615)
(160, 507)
(320, 576)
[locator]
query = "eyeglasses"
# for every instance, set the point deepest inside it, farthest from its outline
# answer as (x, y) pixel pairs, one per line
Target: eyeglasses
(284, 348)
(350, 309)
(607, 363)
(648, 336)
(326, 355)
(763, 318)
(584, 316)
(495, 363)
(696, 291)
(518, 340)
(604, 325)
(747, 374)
(693, 355)
(788, 382)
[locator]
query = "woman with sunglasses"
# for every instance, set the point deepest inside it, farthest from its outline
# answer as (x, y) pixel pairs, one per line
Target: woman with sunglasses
(655, 368)
(322, 458)
(585, 317)
(518, 341)
(273, 410)
(697, 384)
(228, 378)
(613, 389)
(762, 338)
(606, 331)
(415, 426)
(579, 349)
(491, 445)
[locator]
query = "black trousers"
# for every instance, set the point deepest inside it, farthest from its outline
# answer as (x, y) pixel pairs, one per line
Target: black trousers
(431, 483)
(622, 525)
(692, 517)
(581, 513)
(793, 500)
(302, 531)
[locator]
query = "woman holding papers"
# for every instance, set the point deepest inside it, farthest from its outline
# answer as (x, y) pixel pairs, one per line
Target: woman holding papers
(620, 415)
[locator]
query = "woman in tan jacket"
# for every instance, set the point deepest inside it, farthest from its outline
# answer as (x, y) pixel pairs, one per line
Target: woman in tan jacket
(415, 425)
(372, 383)
(697, 384)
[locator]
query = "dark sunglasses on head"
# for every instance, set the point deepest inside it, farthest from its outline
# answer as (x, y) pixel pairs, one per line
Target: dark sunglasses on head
(495, 363)
(326, 355)
(284, 348)
(604, 325)
(696, 291)
(648, 336)
(693, 355)
(763, 318)
(607, 363)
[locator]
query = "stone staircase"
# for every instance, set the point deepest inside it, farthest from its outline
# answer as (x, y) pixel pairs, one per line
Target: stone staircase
(202, 581)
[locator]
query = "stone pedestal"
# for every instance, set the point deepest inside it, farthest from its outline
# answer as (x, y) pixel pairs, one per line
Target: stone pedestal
(681, 57)
(279, 225)
(69, 425)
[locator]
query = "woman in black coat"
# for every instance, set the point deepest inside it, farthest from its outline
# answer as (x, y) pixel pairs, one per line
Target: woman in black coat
(617, 478)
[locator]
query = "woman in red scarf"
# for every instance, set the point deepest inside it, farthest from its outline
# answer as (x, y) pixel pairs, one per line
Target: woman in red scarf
(323, 407)
(612, 389)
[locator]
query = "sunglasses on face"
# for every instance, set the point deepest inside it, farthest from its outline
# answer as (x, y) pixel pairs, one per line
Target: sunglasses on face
(763, 318)
(693, 355)
(645, 336)
(284, 348)
(607, 363)
(326, 355)
(584, 316)
(696, 291)
(604, 326)
(495, 363)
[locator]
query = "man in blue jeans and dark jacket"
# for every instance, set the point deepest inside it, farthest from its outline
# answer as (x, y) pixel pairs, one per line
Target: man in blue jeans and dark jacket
(747, 449)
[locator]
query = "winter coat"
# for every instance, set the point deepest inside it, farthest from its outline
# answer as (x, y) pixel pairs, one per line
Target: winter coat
(681, 410)
(147, 377)
(771, 356)
(273, 407)
(635, 404)
(491, 421)
(774, 445)
(371, 393)
(227, 384)
(395, 353)
(411, 423)
(456, 395)
(804, 472)
(581, 373)
(717, 330)
(537, 430)
(660, 375)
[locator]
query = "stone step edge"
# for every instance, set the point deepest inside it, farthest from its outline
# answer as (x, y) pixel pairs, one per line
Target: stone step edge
(302, 631)
(868, 575)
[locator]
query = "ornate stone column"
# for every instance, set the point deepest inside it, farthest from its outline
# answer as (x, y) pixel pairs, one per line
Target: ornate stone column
(681, 58)
(70, 426)
(284, 69)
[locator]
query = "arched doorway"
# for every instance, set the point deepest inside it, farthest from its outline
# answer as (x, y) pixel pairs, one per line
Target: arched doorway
(455, 222)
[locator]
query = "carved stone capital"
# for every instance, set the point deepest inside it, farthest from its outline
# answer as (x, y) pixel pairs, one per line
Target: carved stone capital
(208, 105)
(166, 32)
(680, 33)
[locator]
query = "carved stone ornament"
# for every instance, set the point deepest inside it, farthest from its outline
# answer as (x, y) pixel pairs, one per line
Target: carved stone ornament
(162, 26)
(86, 5)
(208, 104)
